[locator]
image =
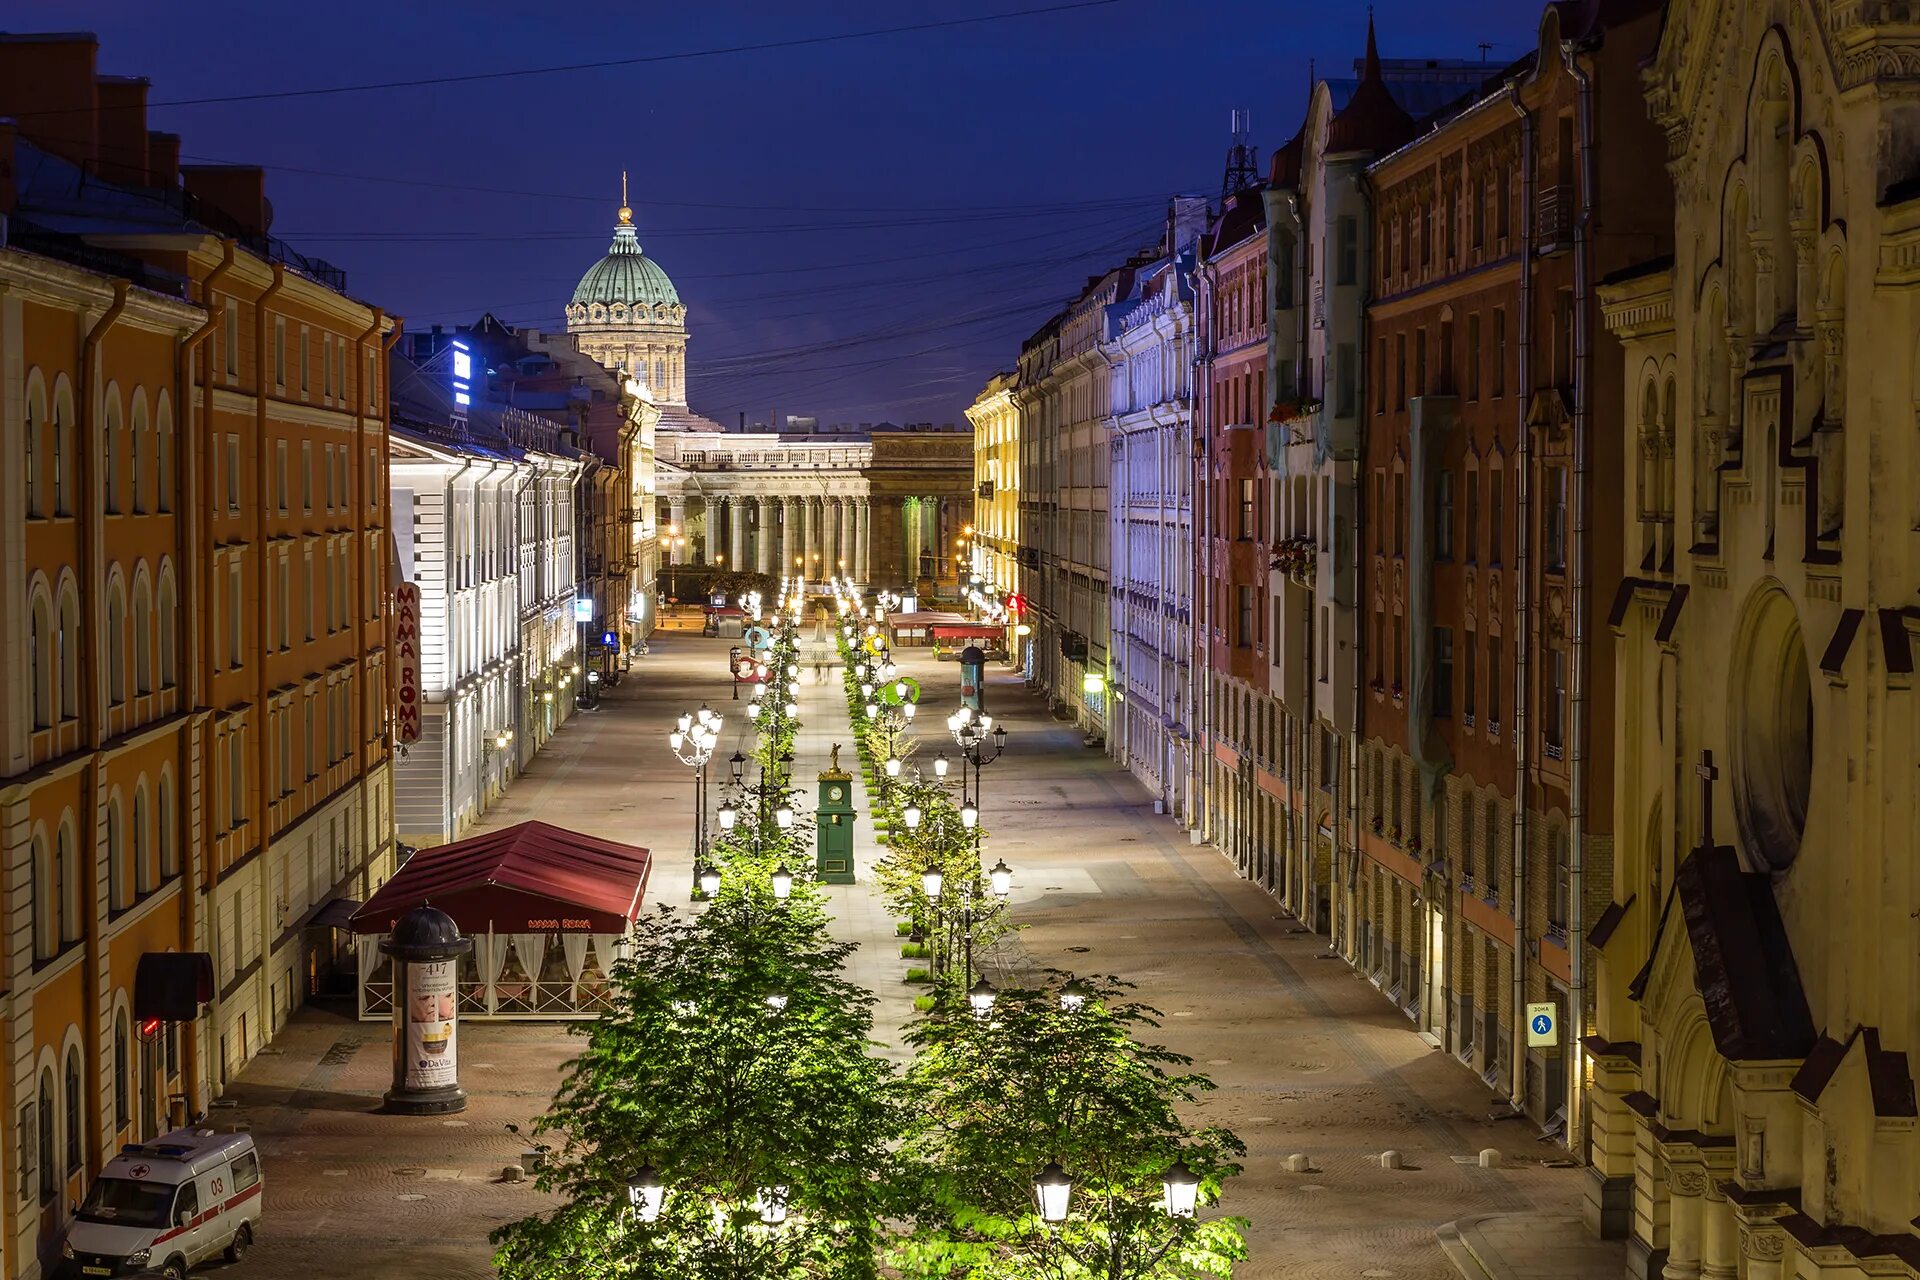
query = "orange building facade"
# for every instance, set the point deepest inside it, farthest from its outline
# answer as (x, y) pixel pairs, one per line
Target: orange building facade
(194, 580)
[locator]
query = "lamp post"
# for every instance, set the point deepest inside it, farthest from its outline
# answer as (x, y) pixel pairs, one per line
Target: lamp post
(692, 741)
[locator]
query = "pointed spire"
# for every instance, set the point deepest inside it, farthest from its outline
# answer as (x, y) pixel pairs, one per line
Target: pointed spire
(1372, 71)
(626, 214)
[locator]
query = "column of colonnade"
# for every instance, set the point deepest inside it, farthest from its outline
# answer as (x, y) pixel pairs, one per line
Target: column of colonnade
(737, 532)
(763, 548)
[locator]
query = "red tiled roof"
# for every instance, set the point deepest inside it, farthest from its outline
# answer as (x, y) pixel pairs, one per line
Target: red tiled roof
(1371, 120)
(513, 879)
(1285, 169)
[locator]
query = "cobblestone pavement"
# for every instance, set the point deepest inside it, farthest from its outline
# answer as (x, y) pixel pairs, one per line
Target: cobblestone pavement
(1308, 1057)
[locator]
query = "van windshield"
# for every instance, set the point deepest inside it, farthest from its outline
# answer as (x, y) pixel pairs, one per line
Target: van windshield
(123, 1202)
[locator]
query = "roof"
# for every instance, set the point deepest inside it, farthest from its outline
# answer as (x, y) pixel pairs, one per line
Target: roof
(1743, 961)
(529, 878)
(626, 274)
(1371, 120)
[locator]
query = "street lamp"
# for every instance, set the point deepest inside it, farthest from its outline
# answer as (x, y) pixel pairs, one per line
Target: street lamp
(709, 878)
(1182, 1190)
(969, 815)
(771, 1205)
(1002, 876)
(783, 817)
(930, 882)
(728, 815)
(1053, 1189)
(981, 996)
(1073, 996)
(692, 743)
(940, 765)
(777, 1002)
(782, 883)
(646, 1192)
(911, 816)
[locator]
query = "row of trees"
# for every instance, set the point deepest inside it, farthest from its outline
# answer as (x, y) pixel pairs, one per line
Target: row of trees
(731, 1116)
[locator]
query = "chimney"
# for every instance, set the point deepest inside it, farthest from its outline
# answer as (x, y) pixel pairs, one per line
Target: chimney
(163, 159)
(47, 85)
(234, 194)
(9, 184)
(743, 419)
(123, 129)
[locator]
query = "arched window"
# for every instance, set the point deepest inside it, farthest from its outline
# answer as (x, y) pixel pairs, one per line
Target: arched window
(46, 903)
(116, 641)
(163, 817)
(41, 666)
(139, 451)
(75, 1097)
(122, 1077)
(30, 437)
(62, 449)
(168, 625)
(117, 895)
(48, 1153)
(110, 452)
(163, 455)
(66, 655)
(142, 842)
(66, 883)
(142, 636)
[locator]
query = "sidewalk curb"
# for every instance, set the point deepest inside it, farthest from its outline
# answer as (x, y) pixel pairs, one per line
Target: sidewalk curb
(1454, 1240)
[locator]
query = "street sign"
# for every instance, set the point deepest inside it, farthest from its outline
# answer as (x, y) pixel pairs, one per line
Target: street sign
(583, 610)
(1543, 1026)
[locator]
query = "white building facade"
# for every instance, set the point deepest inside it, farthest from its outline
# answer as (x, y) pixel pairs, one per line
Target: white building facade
(1149, 353)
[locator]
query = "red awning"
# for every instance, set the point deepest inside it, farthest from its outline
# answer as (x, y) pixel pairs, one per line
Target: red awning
(530, 878)
(970, 630)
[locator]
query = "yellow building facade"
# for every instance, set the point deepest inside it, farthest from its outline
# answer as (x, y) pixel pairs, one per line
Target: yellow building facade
(1752, 1102)
(996, 479)
(194, 566)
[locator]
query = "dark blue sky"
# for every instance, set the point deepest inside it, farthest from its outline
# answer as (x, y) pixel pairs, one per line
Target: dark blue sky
(861, 230)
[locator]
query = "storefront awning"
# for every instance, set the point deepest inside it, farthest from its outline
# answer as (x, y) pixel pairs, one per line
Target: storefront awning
(337, 914)
(172, 985)
(530, 878)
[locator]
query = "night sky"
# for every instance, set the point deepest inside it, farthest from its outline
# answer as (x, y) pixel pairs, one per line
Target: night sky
(862, 230)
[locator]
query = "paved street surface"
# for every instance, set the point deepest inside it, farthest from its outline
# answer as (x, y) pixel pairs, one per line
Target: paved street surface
(1309, 1058)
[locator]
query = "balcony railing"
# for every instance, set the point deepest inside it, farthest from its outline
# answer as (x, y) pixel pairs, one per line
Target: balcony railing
(1555, 224)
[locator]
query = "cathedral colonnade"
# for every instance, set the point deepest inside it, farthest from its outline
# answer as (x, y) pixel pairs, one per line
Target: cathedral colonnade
(827, 534)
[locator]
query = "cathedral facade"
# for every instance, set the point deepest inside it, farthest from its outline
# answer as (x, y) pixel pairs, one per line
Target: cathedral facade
(1753, 1109)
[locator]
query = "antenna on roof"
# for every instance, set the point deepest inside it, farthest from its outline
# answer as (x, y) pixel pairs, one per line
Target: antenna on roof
(1486, 47)
(1243, 164)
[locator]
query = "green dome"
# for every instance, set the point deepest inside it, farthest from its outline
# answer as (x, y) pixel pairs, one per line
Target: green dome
(626, 275)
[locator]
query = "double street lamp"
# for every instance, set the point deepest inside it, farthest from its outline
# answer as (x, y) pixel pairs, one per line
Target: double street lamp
(692, 742)
(1053, 1192)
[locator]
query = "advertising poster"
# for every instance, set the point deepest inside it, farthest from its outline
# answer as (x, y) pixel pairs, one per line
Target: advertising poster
(432, 1062)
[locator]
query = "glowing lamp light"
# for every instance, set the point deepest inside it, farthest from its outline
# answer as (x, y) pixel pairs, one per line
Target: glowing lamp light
(872, 709)
(771, 1203)
(1002, 877)
(675, 740)
(911, 816)
(709, 880)
(907, 709)
(893, 767)
(753, 711)
(1073, 996)
(686, 721)
(782, 882)
(1093, 682)
(969, 815)
(1023, 630)
(728, 816)
(778, 1003)
(941, 764)
(930, 882)
(793, 710)
(1053, 1190)
(647, 1193)
(783, 818)
(1182, 1190)
(981, 996)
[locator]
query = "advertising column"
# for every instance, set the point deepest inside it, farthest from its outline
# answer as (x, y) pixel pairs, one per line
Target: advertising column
(426, 947)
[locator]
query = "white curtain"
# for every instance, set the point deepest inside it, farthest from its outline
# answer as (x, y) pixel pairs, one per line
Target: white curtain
(366, 949)
(531, 947)
(490, 955)
(607, 948)
(575, 946)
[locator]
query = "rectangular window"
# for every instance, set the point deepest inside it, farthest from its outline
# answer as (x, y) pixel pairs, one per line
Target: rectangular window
(1380, 377)
(1283, 280)
(1379, 512)
(1426, 236)
(1243, 636)
(284, 601)
(1443, 516)
(1400, 514)
(1445, 383)
(1467, 690)
(1473, 356)
(1479, 210)
(1493, 684)
(233, 475)
(236, 783)
(306, 476)
(230, 331)
(1490, 832)
(371, 381)
(305, 366)
(1499, 352)
(1343, 380)
(1473, 516)
(1399, 675)
(235, 650)
(1503, 205)
(1405, 234)
(372, 477)
(1420, 387)
(1495, 515)
(1443, 671)
(280, 475)
(1326, 642)
(311, 608)
(1348, 234)
(1556, 703)
(1248, 511)
(280, 352)
(1399, 371)
(1556, 519)
(285, 749)
(308, 742)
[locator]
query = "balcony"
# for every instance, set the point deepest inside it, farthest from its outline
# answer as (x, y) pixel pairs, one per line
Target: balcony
(1554, 223)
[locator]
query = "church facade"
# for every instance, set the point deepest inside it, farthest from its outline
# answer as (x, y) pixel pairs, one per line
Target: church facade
(1753, 1107)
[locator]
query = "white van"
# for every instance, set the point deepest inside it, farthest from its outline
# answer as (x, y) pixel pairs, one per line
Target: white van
(168, 1204)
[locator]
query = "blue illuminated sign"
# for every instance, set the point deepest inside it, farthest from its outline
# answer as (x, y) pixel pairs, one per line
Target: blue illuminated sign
(462, 374)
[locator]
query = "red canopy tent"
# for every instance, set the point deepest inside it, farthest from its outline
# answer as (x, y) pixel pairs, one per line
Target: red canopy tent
(530, 878)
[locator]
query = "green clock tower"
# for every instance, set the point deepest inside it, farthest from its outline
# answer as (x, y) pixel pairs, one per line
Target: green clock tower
(833, 843)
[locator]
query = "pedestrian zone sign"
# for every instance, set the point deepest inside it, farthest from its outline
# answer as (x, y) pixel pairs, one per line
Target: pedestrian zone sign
(1543, 1026)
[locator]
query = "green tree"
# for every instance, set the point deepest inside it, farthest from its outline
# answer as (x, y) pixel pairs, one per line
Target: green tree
(736, 1059)
(995, 1099)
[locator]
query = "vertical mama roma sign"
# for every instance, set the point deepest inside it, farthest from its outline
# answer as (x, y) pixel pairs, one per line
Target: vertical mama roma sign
(406, 670)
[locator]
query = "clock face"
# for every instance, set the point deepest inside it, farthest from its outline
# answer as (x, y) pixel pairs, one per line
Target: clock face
(834, 793)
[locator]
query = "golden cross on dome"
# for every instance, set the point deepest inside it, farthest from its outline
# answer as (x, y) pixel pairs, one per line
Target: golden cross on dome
(626, 214)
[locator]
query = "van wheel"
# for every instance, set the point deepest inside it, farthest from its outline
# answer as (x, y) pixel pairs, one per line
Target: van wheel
(237, 1247)
(174, 1268)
